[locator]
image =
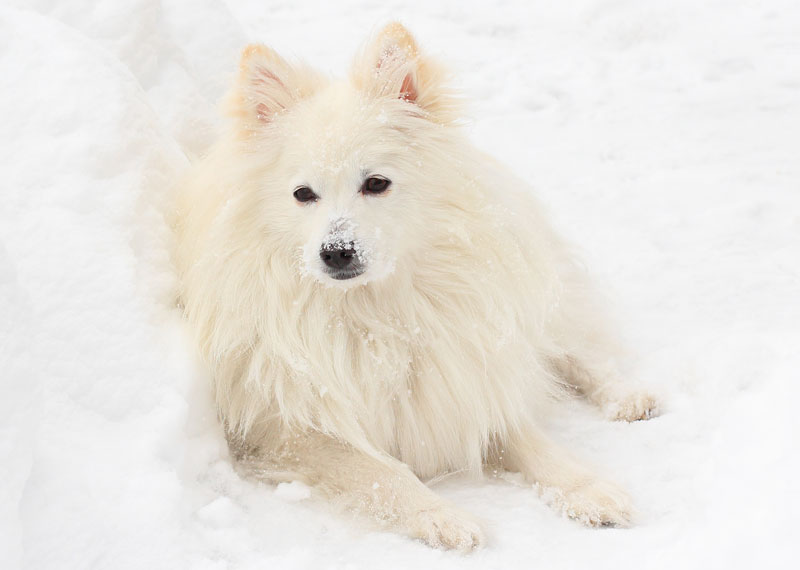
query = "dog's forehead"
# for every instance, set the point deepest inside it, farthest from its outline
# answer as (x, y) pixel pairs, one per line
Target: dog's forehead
(334, 149)
(339, 130)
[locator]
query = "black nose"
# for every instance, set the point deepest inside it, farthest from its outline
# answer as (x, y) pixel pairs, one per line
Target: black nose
(337, 258)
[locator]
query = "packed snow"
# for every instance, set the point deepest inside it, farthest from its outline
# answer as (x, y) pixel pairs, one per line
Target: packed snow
(664, 138)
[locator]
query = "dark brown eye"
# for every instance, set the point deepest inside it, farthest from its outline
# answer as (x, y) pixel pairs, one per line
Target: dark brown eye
(375, 185)
(305, 194)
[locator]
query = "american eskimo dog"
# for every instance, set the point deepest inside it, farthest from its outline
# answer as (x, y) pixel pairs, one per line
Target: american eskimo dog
(380, 303)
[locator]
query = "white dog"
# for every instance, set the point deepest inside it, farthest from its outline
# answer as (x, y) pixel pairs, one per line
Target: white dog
(380, 303)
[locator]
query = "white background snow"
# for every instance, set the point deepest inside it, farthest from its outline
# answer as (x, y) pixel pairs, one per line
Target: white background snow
(664, 138)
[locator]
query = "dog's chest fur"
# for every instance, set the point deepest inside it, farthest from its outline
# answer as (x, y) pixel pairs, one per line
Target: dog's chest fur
(428, 378)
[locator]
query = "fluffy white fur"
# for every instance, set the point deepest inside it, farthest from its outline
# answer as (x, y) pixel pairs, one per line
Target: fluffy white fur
(444, 355)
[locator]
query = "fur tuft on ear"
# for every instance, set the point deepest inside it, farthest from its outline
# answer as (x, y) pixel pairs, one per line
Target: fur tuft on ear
(390, 66)
(268, 85)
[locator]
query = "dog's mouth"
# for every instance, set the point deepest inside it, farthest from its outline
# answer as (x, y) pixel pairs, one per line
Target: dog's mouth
(345, 274)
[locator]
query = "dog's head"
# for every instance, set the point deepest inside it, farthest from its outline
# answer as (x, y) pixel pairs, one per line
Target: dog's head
(346, 170)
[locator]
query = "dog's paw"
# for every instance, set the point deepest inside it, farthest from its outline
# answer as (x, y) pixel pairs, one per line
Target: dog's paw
(448, 528)
(633, 407)
(598, 503)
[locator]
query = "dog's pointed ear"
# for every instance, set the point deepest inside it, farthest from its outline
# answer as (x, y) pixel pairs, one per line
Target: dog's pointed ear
(267, 85)
(392, 66)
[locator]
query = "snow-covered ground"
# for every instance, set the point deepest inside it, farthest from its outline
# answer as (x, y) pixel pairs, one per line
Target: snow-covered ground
(665, 139)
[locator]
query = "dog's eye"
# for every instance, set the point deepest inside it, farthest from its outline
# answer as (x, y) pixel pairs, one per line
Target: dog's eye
(305, 194)
(375, 185)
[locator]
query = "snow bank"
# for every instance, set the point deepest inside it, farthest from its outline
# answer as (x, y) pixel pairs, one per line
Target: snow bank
(665, 139)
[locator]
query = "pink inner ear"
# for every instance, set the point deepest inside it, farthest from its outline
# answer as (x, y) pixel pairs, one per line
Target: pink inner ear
(262, 75)
(408, 90)
(262, 113)
(265, 81)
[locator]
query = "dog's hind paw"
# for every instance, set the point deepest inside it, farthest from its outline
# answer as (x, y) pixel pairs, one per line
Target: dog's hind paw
(633, 407)
(448, 528)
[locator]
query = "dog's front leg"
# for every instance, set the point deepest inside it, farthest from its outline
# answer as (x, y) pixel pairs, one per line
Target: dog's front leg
(384, 489)
(566, 484)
